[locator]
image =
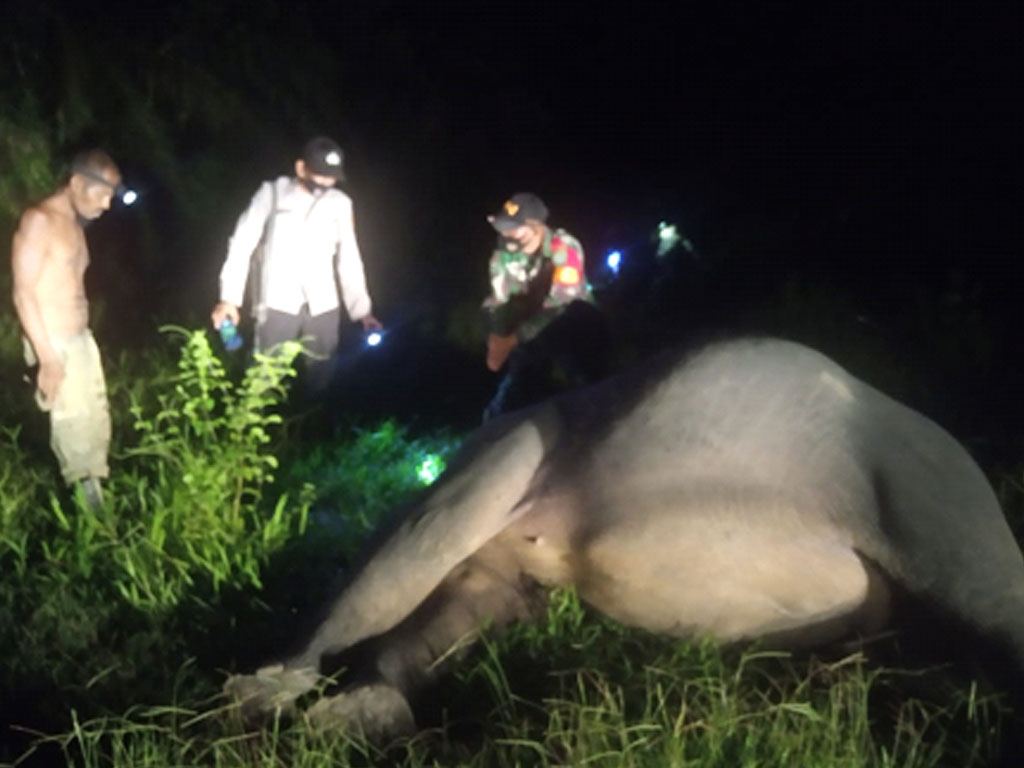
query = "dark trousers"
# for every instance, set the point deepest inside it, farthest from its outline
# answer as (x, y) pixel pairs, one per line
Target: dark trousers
(573, 350)
(318, 334)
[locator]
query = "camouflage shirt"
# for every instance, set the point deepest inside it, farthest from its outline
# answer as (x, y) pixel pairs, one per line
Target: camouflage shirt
(529, 290)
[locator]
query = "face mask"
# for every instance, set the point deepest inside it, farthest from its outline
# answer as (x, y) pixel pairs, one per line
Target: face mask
(315, 189)
(509, 245)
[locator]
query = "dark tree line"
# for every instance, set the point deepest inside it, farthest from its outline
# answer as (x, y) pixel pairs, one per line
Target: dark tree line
(869, 163)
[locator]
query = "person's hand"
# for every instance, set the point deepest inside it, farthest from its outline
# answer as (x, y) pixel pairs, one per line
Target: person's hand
(51, 374)
(499, 348)
(222, 310)
(371, 323)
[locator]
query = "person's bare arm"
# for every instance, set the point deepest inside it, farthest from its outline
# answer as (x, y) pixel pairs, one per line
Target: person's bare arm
(28, 257)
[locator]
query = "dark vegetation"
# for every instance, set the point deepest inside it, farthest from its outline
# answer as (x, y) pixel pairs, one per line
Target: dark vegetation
(865, 202)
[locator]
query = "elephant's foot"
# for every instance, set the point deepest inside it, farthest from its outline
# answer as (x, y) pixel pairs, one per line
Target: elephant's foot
(379, 712)
(271, 691)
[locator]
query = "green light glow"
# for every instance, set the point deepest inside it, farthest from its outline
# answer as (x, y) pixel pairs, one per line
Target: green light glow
(430, 468)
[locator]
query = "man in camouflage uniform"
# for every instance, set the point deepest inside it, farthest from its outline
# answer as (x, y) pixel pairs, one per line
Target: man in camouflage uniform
(541, 312)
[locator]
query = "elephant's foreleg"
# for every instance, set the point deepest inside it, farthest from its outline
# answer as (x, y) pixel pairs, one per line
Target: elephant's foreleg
(472, 505)
(481, 593)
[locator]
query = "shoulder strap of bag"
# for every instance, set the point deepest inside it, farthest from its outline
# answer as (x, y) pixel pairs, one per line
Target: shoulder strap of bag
(259, 305)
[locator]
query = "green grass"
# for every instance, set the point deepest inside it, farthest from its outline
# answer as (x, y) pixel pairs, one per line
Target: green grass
(220, 534)
(655, 703)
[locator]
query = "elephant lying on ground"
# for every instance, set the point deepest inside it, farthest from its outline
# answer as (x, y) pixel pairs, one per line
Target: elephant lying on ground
(753, 489)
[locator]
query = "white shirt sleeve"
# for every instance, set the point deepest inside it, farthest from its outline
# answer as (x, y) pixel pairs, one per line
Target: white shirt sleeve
(351, 276)
(242, 243)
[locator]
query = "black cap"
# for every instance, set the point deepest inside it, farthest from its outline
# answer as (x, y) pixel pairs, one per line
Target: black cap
(517, 209)
(324, 157)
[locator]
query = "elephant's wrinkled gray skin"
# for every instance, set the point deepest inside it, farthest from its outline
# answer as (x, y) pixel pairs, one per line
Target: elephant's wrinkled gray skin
(754, 489)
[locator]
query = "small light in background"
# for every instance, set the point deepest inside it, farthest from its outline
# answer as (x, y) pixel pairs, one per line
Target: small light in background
(373, 338)
(668, 237)
(614, 261)
(430, 468)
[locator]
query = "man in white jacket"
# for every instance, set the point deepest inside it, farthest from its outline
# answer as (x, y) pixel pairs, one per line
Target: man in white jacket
(309, 263)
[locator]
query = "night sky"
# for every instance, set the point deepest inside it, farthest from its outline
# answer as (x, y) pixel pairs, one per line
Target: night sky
(865, 144)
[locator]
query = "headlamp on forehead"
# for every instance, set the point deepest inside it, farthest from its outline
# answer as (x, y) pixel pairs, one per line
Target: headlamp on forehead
(125, 195)
(122, 193)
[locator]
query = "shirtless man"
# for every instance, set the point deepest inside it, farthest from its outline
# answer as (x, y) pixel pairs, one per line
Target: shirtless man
(49, 257)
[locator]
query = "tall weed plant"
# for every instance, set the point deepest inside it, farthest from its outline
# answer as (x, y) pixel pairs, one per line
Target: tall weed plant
(185, 511)
(196, 479)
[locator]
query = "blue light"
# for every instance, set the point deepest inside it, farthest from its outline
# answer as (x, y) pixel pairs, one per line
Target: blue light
(614, 261)
(373, 338)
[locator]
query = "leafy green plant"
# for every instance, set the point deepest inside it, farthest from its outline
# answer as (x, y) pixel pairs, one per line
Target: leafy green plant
(203, 459)
(186, 508)
(19, 502)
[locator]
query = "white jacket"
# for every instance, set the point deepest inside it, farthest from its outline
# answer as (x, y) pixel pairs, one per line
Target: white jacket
(312, 251)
